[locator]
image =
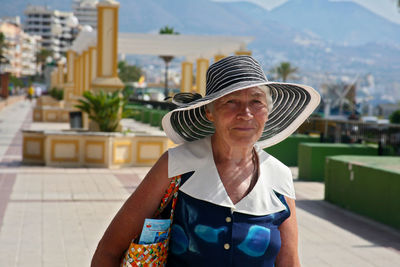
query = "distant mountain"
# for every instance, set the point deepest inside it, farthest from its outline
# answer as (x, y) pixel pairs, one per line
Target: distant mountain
(340, 22)
(344, 23)
(317, 36)
(17, 7)
(189, 17)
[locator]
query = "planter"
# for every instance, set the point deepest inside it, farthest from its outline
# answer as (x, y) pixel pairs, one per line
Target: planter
(51, 114)
(367, 185)
(287, 150)
(312, 157)
(92, 149)
(46, 100)
(48, 109)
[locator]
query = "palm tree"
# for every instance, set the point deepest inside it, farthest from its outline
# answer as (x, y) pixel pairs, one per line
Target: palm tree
(284, 71)
(167, 58)
(167, 30)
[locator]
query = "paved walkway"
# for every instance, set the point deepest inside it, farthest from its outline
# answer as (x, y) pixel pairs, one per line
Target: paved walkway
(55, 216)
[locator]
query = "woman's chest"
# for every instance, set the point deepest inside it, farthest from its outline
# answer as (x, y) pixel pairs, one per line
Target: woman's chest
(237, 181)
(201, 228)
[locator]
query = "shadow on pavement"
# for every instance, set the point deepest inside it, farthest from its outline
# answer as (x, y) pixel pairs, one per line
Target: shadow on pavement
(7, 163)
(374, 232)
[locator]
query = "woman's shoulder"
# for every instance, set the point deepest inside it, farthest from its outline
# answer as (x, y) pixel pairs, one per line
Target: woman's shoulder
(268, 160)
(187, 156)
(196, 148)
(279, 175)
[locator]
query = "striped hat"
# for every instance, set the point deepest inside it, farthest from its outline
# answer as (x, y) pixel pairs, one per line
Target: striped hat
(292, 103)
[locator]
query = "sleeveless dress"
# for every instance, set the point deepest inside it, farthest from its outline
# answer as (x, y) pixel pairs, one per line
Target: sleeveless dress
(208, 229)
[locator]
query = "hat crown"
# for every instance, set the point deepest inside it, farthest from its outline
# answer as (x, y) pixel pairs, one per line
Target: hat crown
(233, 70)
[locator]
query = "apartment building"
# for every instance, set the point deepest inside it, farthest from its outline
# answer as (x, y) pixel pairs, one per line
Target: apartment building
(52, 26)
(86, 12)
(21, 48)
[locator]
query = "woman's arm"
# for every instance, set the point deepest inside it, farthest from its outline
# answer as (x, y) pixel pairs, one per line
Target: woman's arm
(128, 222)
(288, 254)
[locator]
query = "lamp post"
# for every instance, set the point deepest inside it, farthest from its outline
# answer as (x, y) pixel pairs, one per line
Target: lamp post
(73, 23)
(167, 60)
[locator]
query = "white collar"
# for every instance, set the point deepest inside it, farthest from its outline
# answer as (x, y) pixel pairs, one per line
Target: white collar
(205, 183)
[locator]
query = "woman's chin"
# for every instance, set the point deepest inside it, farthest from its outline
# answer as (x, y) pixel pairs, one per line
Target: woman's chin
(243, 140)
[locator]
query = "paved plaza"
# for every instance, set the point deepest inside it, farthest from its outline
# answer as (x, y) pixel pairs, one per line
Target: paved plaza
(55, 216)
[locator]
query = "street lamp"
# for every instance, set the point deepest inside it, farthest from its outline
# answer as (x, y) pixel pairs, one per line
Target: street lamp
(72, 22)
(167, 60)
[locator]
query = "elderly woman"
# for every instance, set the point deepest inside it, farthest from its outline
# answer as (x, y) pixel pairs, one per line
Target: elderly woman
(235, 205)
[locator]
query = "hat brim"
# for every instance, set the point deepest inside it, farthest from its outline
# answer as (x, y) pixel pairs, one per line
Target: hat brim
(292, 105)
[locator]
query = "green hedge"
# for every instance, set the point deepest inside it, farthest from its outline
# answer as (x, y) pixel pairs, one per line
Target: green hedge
(145, 118)
(286, 151)
(145, 115)
(156, 117)
(312, 157)
(133, 111)
(368, 185)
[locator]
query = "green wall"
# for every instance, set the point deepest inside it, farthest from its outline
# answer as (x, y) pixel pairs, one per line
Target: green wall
(312, 157)
(286, 151)
(368, 185)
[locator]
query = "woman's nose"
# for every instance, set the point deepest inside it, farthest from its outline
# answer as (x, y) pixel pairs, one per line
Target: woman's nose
(245, 112)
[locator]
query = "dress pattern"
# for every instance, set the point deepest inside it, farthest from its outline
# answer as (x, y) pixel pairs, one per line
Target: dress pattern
(205, 234)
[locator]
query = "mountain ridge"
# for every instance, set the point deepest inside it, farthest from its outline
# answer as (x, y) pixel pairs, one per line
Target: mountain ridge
(368, 44)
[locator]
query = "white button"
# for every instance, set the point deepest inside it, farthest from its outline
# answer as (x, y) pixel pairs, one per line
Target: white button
(226, 246)
(228, 219)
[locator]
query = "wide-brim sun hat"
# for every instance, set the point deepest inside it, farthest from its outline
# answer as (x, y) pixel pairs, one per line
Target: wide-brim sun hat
(292, 103)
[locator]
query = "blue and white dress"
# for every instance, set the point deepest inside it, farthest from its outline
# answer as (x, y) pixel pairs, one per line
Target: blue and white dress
(208, 229)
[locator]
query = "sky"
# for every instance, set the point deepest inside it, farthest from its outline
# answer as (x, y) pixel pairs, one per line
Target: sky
(385, 8)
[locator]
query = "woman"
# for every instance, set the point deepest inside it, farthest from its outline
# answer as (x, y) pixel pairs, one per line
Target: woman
(235, 205)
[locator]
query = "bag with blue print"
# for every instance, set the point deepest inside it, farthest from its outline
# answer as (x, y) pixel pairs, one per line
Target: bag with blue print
(154, 254)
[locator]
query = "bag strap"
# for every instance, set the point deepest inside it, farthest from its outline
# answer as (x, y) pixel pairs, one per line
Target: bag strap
(172, 191)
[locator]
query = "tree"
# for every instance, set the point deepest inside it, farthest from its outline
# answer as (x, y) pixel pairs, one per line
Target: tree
(16, 81)
(128, 73)
(3, 45)
(395, 117)
(42, 56)
(167, 30)
(167, 58)
(284, 71)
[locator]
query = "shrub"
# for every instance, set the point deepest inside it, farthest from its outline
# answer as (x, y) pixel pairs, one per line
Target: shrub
(103, 108)
(57, 93)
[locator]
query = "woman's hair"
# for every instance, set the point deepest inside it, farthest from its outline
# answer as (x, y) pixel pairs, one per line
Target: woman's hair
(264, 88)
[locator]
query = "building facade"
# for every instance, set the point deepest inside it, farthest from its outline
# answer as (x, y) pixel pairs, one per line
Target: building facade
(52, 26)
(21, 48)
(86, 12)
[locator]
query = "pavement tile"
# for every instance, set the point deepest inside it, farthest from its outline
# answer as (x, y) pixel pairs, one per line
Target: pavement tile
(56, 216)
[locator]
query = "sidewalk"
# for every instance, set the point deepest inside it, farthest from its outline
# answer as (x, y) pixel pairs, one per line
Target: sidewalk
(56, 216)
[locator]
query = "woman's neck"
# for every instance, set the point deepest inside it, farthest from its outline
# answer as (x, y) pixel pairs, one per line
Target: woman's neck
(222, 152)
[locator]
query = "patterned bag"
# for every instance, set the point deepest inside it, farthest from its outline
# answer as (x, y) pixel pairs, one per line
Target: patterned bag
(153, 254)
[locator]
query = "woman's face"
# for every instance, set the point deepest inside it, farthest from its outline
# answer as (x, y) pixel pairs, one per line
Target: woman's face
(239, 117)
